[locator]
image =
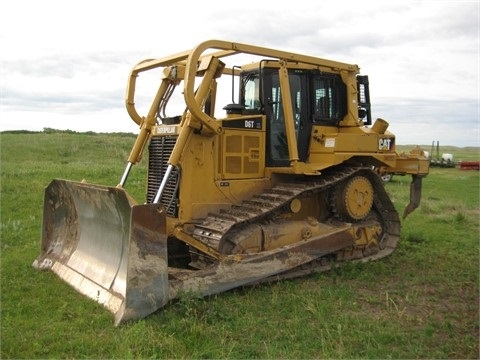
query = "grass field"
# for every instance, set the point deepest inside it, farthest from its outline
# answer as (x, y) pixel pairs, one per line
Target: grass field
(420, 302)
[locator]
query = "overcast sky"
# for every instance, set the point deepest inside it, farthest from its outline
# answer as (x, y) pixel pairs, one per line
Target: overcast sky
(64, 64)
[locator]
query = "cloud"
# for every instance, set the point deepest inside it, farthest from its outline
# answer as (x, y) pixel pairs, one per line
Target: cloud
(69, 61)
(421, 121)
(63, 83)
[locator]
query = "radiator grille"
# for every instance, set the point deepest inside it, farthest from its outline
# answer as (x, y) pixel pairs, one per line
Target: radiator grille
(160, 149)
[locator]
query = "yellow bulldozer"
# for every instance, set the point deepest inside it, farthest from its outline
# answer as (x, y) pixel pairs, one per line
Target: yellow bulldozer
(281, 185)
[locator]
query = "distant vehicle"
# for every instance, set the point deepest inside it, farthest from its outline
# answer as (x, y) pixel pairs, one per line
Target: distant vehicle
(446, 160)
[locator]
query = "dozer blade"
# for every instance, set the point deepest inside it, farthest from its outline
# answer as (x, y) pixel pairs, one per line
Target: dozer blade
(106, 246)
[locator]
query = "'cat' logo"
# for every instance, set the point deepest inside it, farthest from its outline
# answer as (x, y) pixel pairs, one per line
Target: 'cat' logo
(384, 144)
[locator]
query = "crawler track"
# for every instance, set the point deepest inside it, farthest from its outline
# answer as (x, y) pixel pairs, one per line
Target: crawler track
(217, 228)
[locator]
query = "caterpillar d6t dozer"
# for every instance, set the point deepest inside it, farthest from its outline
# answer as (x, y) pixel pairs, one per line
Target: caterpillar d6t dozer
(284, 183)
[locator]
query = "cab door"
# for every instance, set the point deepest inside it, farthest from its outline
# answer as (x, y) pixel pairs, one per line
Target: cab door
(277, 146)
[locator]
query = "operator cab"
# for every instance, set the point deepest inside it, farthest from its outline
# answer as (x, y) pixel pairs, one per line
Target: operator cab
(316, 98)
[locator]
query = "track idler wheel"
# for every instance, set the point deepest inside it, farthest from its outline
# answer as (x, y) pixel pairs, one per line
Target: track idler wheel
(353, 199)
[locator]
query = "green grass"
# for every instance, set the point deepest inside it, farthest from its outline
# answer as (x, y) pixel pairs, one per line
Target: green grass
(420, 302)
